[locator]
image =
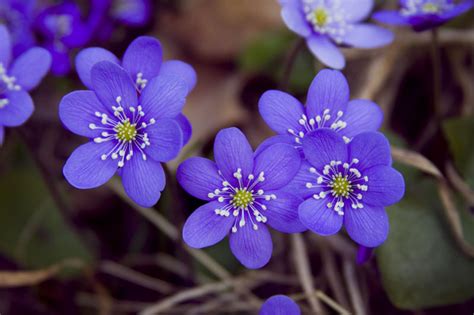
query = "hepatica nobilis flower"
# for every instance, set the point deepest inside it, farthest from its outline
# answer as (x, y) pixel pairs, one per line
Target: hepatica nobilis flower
(244, 195)
(424, 14)
(328, 23)
(143, 61)
(347, 184)
(17, 16)
(131, 133)
(327, 107)
(17, 78)
(280, 305)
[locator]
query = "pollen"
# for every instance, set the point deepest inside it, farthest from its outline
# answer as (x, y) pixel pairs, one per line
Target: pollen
(242, 198)
(341, 186)
(320, 16)
(430, 8)
(126, 131)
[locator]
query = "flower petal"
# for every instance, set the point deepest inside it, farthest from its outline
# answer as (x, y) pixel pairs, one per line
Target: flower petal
(368, 36)
(279, 163)
(357, 10)
(320, 219)
(6, 47)
(85, 169)
(87, 58)
(371, 149)
(329, 90)
(274, 140)
(31, 67)
(144, 55)
(143, 180)
(282, 213)
(297, 185)
(111, 81)
(186, 128)
(295, 20)
(18, 110)
(364, 254)
(326, 51)
(361, 116)
(281, 111)
(166, 138)
(280, 305)
(367, 226)
(180, 69)
(322, 146)
(390, 17)
(386, 186)
(2, 135)
(199, 177)
(231, 152)
(205, 228)
(164, 97)
(253, 248)
(458, 9)
(77, 110)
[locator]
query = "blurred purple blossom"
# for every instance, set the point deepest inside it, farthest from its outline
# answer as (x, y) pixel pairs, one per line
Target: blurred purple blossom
(17, 16)
(280, 305)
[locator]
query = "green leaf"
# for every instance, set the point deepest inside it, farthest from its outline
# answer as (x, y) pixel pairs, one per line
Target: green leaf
(421, 266)
(459, 133)
(33, 232)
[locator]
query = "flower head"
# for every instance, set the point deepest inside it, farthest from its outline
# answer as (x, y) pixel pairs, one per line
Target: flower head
(327, 107)
(347, 184)
(143, 61)
(130, 132)
(131, 12)
(244, 195)
(17, 16)
(328, 23)
(424, 14)
(280, 305)
(17, 78)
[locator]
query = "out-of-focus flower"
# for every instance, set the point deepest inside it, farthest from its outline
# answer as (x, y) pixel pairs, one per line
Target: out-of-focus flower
(143, 61)
(347, 184)
(364, 254)
(17, 77)
(422, 15)
(327, 106)
(131, 12)
(243, 194)
(17, 16)
(280, 305)
(62, 29)
(328, 23)
(131, 133)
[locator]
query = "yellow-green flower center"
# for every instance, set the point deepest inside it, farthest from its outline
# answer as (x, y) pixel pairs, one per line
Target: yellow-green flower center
(341, 186)
(126, 131)
(242, 198)
(430, 8)
(321, 16)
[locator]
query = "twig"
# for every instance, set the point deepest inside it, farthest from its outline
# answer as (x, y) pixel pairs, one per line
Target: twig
(333, 304)
(352, 285)
(416, 160)
(135, 277)
(304, 273)
(289, 63)
(461, 186)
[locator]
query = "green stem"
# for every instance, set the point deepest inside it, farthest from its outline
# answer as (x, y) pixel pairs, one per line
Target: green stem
(289, 63)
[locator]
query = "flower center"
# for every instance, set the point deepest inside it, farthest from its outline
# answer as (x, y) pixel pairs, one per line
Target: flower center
(59, 24)
(325, 120)
(430, 8)
(245, 201)
(242, 198)
(126, 131)
(340, 183)
(320, 16)
(413, 7)
(7, 82)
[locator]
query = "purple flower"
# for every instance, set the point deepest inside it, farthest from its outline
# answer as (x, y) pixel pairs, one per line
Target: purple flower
(17, 78)
(244, 194)
(62, 29)
(327, 106)
(280, 305)
(424, 14)
(347, 184)
(143, 61)
(131, 133)
(17, 17)
(364, 254)
(328, 23)
(131, 12)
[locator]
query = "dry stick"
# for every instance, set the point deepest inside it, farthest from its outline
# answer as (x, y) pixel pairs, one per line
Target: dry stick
(352, 285)
(169, 230)
(465, 79)
(304, 273)
(135, 277)
(461, 186)
(289, 63)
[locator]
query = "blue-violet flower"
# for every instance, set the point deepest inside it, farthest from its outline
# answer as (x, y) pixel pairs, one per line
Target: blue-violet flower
(244, 194)
(280, 305)
(17, 16)
(328, 23)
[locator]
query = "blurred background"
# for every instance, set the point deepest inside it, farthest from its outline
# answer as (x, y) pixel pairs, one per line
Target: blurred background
(69, 251)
